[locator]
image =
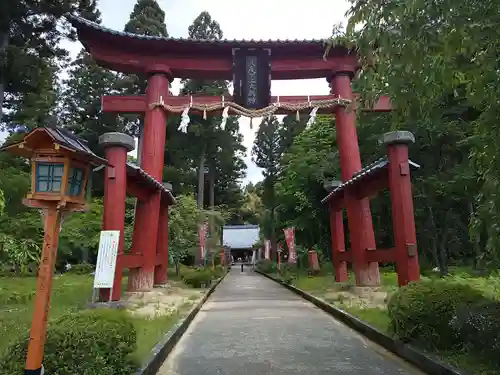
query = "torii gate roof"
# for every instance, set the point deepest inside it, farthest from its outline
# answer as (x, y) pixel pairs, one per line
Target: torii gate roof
(210, 59)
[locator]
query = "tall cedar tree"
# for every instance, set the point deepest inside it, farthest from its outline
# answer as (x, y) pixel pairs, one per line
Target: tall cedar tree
(30, 32)
(220, 150)
(147, 18)
(266, 153)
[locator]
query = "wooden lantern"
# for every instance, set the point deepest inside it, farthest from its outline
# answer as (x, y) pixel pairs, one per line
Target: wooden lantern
(60, 167)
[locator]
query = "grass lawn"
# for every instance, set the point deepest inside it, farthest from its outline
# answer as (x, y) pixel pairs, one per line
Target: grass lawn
(70, 292)
(378, 317)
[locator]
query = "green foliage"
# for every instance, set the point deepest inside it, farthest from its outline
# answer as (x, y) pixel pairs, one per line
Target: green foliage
(311, 161)
(82, 269)
(438, 62)
(267, 266)
(23, 255)
(422, 312)
(80, 109)
(79, 238)
(183, 228)
(478, 328)
(13, 297)
(147, 18)
(30, 35)
(200, 277)
(76, 345)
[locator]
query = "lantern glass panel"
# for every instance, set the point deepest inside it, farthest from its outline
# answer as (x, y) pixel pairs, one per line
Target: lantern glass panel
(75, 181)
(49, 177)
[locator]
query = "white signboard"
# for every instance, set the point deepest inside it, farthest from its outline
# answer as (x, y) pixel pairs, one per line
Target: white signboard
(106, 259)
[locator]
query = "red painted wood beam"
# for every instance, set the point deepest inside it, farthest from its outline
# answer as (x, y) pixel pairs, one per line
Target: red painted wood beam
(368, 187)
(137, 104)
(140, 192)
(343, 256)
(381, 255)
(134, 260)
(371, 187)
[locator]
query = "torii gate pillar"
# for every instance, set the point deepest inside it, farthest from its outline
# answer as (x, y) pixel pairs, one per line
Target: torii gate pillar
(147, 215)
(358, 211)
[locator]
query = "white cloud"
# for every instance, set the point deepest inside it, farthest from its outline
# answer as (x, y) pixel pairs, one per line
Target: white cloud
(242, 19)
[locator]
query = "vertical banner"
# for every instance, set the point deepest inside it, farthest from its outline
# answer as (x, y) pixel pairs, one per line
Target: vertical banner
(290, 241)
(267, 249)
(279, 250)
(202, 231)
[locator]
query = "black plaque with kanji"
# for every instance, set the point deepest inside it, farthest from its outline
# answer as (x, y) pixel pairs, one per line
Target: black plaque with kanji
(252, 77)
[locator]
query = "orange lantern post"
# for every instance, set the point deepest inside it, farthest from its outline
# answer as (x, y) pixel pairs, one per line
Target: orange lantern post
(60, 167)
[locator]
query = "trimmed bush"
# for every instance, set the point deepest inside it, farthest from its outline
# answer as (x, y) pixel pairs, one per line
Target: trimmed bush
(92, 342)
(287, 272)
(82, 269)
(422, 312)
(478, 327)
(198, 277)
(266, 266)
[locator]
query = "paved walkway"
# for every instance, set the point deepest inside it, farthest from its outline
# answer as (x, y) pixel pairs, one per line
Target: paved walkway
(253, 326)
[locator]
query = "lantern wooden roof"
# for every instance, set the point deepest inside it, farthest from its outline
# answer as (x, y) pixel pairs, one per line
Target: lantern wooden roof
(54, 138)
(206, 59)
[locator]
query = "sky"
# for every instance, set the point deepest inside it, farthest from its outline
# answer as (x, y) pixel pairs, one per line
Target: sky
(243, 19)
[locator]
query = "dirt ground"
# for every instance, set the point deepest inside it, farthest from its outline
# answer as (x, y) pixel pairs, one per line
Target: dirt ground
(354, 296)
(164, 300)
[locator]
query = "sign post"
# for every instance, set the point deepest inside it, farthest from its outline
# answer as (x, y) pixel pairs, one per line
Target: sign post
(106, 260)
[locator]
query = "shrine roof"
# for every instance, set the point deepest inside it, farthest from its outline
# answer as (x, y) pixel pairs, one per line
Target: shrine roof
(367, 172)
(134, 170)
(88, 29)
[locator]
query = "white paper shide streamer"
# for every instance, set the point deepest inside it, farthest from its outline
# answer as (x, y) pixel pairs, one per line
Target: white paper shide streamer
(312, 117)
(183, 127)
(225, 115)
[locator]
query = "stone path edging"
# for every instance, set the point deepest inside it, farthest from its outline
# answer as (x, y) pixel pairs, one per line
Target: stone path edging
(425, 363)
(161, 350)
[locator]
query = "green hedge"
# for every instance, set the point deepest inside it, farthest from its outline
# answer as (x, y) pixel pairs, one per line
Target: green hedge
(423, 312)
(201, 277)
(478, 327)
(267, 266)
(91, 342)
(82, 269)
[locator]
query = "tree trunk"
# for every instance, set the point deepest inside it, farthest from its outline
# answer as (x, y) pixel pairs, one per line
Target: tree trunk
(4, 42)
(211, 199)
(211, 187)
(477, 242)
(443, 255)
(201, 179)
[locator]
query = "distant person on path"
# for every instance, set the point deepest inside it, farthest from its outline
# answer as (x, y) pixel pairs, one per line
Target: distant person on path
(241, 267)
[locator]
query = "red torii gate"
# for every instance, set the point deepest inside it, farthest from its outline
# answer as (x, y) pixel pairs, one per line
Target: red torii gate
(162, 59)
